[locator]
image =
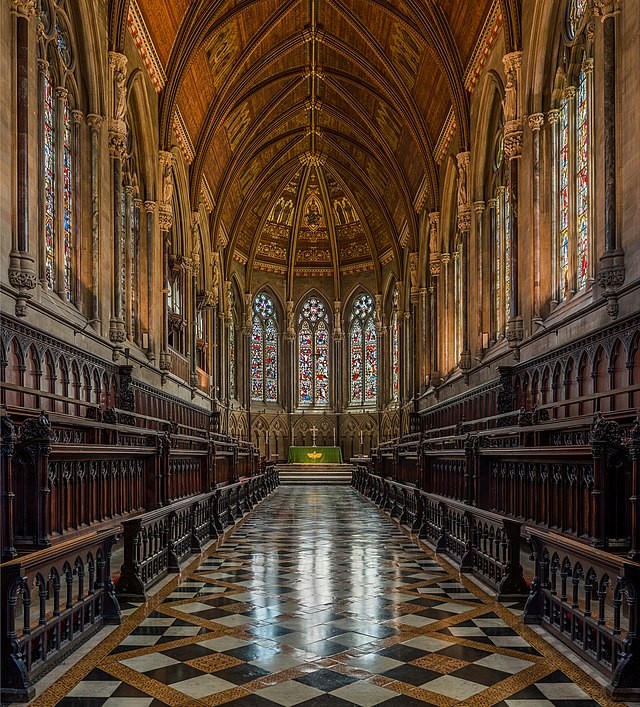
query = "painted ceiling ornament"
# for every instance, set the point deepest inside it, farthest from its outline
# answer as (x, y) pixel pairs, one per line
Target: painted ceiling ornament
(313, 213)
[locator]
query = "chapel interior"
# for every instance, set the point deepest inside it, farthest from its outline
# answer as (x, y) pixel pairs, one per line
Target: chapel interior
(320, 352)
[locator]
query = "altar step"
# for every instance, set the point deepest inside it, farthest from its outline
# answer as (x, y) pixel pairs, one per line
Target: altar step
(327, 474)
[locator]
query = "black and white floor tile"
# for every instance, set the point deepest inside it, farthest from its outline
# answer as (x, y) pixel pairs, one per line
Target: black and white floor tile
(319, 600)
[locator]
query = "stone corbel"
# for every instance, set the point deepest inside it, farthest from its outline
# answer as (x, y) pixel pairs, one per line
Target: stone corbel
(117, 121)
(338, 334)
(610, 278)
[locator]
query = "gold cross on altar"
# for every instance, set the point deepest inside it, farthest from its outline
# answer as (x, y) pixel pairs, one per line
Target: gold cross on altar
(314, 429)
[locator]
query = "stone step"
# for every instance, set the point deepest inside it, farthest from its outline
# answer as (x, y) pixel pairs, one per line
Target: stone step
(327, 474)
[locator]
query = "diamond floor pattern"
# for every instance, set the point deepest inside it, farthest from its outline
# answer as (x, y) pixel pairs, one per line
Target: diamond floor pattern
(318, 599)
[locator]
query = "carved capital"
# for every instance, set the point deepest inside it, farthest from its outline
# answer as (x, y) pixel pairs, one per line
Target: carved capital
(434, 265)
(94, 121)
(23, 8)
(604, 9)
(117, 138)
(569, 93)
(206, 299)
(553, 116)
(610, 278)
(165, 217)
(464, 220)
(513, 139)
(445, 258)
(22, 279)
(61, 93)
(479, 206)
(78, 116)
(165, 361)
(536, 121)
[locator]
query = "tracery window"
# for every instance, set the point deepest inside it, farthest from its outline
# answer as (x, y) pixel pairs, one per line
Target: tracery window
(313, 354)
(395, 348)
(264, 350)
(363, 352)
(501, 242)
(572, 141)
(232, 346)
(57, 131)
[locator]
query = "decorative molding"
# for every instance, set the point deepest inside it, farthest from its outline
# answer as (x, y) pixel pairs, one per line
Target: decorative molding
(484, 45)
(445, 137)
(536, 121)
(424, 190)
(206, 194)
(23, 8)
(146, 49)
(182, 135)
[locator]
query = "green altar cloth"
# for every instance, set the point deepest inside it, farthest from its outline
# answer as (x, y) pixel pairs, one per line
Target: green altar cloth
(315, 455)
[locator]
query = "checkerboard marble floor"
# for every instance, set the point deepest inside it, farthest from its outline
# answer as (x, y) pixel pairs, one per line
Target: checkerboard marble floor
(318, 600)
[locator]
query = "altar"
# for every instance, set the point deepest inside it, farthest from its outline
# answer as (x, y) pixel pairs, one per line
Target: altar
(315, 455)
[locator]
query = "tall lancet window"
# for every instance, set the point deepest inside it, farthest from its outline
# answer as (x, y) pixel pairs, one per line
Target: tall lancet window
(264, 351)
(572, 140)
(313, 354)
(395, 348)
(57, 139)
(363, 352)
(501, 242)
(232, 346)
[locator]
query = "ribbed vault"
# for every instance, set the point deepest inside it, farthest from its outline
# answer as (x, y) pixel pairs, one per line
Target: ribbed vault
(323, 103)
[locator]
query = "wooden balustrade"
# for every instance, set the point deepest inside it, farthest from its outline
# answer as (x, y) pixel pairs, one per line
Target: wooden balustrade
(157, 542)
(589, 600)
(52, 601)
(482, 542)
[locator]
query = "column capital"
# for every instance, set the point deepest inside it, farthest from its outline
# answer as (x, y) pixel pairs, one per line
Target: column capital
(94, 121)
(117, 61)
(512, 61)
(479, 206)
(604, 9)
(445, 258)
(434, 218)
(138, 203)
(23, 8)
(569, 93)
(553, 116)
(150, 206)
(130, 190)
(536, 121)
(492, 203)
(61, 92)
(587, 66)
(78, 116)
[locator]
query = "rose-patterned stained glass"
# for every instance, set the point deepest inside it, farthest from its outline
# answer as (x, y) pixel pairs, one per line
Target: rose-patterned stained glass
(370, 362)
(271, 362)
(363, 352)
(356, 361)
(563, 138)
(66, 198)
(49, 159)
(313, 354)
(582, 182)
(395, 348)
(264, 350)
(257, 353)
(232, 360)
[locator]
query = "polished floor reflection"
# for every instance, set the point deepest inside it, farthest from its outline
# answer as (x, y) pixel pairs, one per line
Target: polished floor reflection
(318, 599)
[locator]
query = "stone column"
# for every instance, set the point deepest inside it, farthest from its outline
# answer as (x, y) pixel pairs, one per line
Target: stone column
(94, 122)
(513, 150)
(434, 272)
(246, 360)
(478, 209)
(536, 121)
(338, 359)
(150, 210)
(117, 150)
(127, 294)
(493, 255)
(22, 273)
(165, 217)
(192, 311)
(445, 259)
(612, 269)
(136, 260)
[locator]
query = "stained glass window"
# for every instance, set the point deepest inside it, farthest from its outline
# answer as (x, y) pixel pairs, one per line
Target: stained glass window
(49, 180)
(363, 352)
(232, 360)
(313, 354)
(582, 182)
(66, 198)
(395, 348)
(563, 142)
(507, 253)
(264, 350)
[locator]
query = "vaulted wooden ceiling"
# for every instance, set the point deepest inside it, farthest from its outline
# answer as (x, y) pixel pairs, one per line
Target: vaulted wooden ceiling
(350, 93)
